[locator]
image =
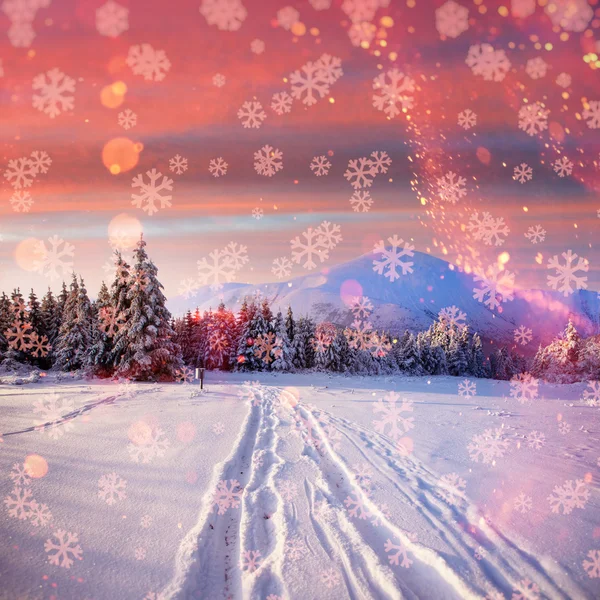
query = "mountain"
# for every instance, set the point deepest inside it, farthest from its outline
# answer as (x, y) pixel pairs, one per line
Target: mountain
(411, 302)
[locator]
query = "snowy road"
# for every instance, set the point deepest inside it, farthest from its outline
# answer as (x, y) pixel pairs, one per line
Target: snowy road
(299, 486)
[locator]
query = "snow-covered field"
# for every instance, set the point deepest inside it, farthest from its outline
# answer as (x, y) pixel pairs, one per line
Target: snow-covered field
(298, 486)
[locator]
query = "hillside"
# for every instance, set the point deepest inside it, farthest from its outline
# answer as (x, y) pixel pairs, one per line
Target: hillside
(411, 302)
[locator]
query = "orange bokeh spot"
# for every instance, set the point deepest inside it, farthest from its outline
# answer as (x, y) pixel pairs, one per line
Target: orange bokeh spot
(298, 28)
(120, 155)
(484, 156)
(556, 131)
(112, 96)
(349, 290)
(36, 466)
(140, 433)
(27, 253)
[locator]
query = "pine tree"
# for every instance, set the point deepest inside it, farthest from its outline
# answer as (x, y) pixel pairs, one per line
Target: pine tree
(246, 360)
(284, 360)
(100, 355)
(290, 324)
(120, 304)
(74, 334)
(34, 314)
(150, 352)
(50, 316)
(304, 353)
(476, 357)
(6, 319)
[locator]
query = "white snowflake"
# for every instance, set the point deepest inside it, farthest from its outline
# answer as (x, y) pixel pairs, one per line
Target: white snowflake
(573, 494)
(309, 83)
(392, 91)
(380, 161)
(536, 234)
(64, 550)
(52, 90)
(287, 17)
(571, 15)
(361, 306)
(111, 488)
(330, 578)
(312, 247)
(267, 161)
(258, 213)
(591, 114)
(20, 475)
(288, 490)
(178, 164)
(592, 566)
(392, 258)
(397, 554)
(563, 80)
(149, 445)
(451, 187)
(533, 118)
(497, 286)
(488, 446)
(227, 495)
(21, 201)
(257, 46)
(281, 103)
(523, 173)
(361, 34)
(320, 166)
(20, 172)
(217, 167)
(451, 19)
(53, 258)
(53, 410)
(39, 514)
(536, 440)
(216, 270)
(320, 4)
(152, 192)
(564, 428)
(492, 64)
(536, 68)
(251, 560)
(361, 201)
(146, 521)
(218, 428)
(331, 67)
(40, 161)
(392, 422)
(282, 267)
(127, 119)
(566, 279)
(523, 335)
(251, 114)
(152, 64)
(356, 507)
(526, 590)
(522, 503)
(467, 389)
(488, 229)
(140, 553)
(592, 395)
(21, 34)
(112, 19)
(188, 287)
(360, 10)
(360, 172)
(18, 503)
(451, 488)
(524, 387)
(227, 15)
(467, 119)
(218, 80)
(452, 316)
(563, 166)
(295, 548)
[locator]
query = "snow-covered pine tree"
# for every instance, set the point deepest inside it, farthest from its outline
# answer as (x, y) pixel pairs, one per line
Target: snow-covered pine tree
(50, 316)
(150, 353)
(290, 324)
(304, 353)
(120, 304)
(34, 314)
(100, 354)
(456, 356)
(246, 361)
(440, 365)
(5, 322)
(476, 358)
(407, 354)
(284, 360)
(73, 339)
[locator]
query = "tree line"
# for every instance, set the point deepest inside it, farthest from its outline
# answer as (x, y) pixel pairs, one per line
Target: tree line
(128, 332)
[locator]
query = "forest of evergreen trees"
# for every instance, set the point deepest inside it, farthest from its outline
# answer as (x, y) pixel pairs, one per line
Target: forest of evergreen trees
(128, 332)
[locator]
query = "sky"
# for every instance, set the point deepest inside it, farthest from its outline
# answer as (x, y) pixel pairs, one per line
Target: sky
(85, 197)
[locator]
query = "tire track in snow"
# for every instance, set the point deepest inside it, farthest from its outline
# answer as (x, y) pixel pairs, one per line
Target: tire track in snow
(506, 562)
(209, 560)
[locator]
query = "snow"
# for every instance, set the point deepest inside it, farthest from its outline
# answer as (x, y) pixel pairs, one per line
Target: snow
(307, 486)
